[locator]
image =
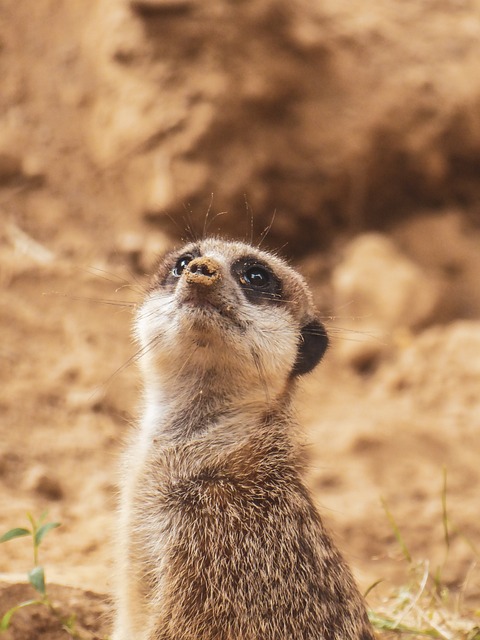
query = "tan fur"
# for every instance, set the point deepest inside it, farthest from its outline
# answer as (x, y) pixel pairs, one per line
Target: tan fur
(218, 536)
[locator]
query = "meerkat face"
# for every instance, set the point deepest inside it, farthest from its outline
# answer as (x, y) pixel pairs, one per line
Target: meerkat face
(227, 305)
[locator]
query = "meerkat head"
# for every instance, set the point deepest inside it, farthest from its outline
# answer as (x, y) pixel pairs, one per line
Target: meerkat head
(216, 306)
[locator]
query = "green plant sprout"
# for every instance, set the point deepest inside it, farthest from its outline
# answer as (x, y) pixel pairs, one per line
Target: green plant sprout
(36, 576)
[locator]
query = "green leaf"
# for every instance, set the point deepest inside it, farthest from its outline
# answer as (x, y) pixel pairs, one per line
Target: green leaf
(15, 533)
(32, 520)
(44, 529)
(36, 577)
(5, 621)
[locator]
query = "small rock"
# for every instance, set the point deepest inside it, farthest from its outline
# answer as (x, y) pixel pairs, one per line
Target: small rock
(41, 481)
(147, 7)
(382, 292)
(33, 167)
(10, 167)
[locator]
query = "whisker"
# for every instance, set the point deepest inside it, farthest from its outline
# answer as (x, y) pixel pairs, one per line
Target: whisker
(172, 219)
(184, 365)
(267, 295)
(103, 273)
(205, 221)
(249, 210)
(217, 215)
(342, 306)
(164, 307)
(135, 285)
(354, 339)
(354, 335)
(329, 318)
(132, 359)
(189, 224)
(267, 229)
(349, 330)
(113, 303)
(280, 249)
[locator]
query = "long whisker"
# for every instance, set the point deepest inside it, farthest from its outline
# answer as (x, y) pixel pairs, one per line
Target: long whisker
(205, 221)
(249, 211)
(344, 333)
(184, 365)
(113, 303)
(103, 273)
(353, 335)
(217, 215)
(164, 308)
(132, 359)
(356, 339)
(342, 306)
(172, 219)
(267, 229)
(189, 225)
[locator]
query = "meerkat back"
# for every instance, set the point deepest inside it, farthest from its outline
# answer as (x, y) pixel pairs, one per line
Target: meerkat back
(218, 536)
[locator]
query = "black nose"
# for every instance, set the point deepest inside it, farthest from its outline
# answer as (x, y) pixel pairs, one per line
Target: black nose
(203, 270)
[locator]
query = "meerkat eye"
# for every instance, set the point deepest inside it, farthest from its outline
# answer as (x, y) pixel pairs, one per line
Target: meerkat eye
(256, 276)
(180, 265)
(259, 283)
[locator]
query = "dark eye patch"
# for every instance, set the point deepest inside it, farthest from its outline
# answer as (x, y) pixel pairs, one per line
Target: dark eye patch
(258, 282)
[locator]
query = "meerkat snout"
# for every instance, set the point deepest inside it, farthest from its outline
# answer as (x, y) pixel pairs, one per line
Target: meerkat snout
(219, 538)
(204, 271)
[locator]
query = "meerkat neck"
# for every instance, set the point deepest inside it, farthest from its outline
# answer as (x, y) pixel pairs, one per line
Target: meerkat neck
(183, 412)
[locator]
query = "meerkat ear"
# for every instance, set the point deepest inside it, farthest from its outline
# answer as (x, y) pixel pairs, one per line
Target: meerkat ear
(311, 347)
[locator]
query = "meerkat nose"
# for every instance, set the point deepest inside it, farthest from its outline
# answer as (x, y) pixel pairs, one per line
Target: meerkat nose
(203, 270)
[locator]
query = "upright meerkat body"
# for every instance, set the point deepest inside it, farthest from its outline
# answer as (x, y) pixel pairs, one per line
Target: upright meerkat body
(219, 539)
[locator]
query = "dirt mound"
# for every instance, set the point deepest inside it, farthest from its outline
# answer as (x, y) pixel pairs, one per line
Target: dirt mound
(338, 115)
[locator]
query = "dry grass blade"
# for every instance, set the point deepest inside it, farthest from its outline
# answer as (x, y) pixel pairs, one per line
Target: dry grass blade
(396, 531)
(425, 607)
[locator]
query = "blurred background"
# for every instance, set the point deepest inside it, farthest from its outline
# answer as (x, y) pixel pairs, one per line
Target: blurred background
(350, 129)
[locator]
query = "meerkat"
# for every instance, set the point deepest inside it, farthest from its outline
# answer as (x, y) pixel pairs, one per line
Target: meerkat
(219, 538)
